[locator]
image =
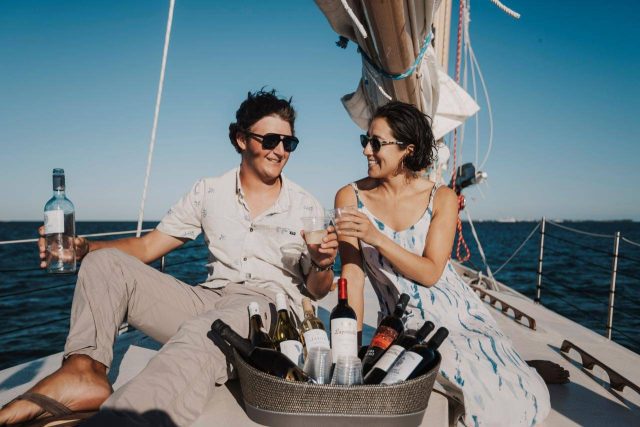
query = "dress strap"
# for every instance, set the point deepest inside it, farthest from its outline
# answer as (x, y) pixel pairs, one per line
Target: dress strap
(432, 195)
(355, 189)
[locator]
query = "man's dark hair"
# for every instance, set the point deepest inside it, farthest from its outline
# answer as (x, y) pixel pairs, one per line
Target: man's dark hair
(258, 105)
(410, 125)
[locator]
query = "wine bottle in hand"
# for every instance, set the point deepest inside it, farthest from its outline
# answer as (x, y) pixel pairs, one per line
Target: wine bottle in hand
(402, 343)
(257, 334)
(285, 335)
(418, 360)
(388, 330)
(344, 326)
(263, 359)
(60, 228)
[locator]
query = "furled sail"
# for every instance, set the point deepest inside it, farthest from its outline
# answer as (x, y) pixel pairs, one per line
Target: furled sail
(398, 60)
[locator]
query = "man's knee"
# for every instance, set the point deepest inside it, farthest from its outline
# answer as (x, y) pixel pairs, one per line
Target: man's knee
(196, 330)
(105, 260)
(102, 256)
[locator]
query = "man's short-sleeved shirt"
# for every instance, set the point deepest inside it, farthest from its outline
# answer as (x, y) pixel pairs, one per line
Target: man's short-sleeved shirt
(266, 252)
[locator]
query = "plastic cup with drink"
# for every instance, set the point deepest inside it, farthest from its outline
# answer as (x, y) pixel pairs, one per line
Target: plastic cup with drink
(315, 228)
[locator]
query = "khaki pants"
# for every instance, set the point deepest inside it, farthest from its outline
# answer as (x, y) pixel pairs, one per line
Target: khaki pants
(181, 378)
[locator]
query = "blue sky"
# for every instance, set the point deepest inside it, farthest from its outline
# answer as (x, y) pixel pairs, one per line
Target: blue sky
(78, 83)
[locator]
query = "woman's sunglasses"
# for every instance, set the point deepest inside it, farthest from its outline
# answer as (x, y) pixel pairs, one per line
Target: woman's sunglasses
(270, 141)
(376, 144)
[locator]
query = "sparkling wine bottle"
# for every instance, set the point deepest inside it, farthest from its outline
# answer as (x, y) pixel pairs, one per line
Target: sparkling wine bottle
(402, 343)
(285, 335)
(257, 334)
(313, 331)
(417, 360)
(264, 359)
(60, 228)
(389, 329)
(344, 326)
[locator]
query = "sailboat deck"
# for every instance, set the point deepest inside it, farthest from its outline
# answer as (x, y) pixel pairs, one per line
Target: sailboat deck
(586, 400)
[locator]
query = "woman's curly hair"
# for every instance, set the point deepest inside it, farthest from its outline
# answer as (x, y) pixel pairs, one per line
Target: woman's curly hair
(411, 126)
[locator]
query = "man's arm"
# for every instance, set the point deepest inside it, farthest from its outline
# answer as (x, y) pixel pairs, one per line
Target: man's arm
(319, 283)
(147, 248)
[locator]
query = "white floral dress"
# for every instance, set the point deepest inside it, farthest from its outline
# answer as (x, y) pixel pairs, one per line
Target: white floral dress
(478, 360)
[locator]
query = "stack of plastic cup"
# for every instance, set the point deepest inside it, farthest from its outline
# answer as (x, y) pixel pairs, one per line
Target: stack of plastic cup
(348, 371)
(318, 365)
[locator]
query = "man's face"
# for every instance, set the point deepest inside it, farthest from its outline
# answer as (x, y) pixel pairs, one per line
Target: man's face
(267, 164)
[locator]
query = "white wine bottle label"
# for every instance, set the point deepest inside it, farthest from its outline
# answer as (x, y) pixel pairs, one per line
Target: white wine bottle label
(316, 338)
(53, 222)
(402, 368)
(293, 350)
(344, 337)
(389, 357)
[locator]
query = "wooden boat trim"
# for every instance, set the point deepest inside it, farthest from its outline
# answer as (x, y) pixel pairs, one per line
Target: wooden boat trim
(504, 306)
(616, 381)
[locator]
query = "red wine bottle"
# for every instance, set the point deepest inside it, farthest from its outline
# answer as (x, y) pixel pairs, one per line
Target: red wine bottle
(388, 330)
(265, 359)
(257, 335)
(344, 326)
(418, 360)
(402, 343)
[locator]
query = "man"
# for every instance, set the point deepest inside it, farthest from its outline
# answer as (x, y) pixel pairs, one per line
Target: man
(251, 217)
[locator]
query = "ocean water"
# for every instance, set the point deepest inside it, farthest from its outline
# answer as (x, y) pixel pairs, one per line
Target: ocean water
(35, 306)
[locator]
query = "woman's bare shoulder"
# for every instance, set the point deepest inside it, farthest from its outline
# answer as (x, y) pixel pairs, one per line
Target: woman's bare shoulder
(347, 195)
(363, 184)
(445, 198)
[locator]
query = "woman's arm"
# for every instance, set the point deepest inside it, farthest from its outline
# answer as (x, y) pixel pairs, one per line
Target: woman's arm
(351, 259)
(427, 268)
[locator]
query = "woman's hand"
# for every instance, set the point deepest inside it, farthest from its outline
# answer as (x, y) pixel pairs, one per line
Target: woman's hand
(354, 223)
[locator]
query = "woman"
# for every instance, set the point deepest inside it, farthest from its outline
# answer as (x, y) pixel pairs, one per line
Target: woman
(401, 236)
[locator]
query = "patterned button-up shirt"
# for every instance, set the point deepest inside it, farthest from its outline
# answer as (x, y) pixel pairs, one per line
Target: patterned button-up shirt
(266, 252)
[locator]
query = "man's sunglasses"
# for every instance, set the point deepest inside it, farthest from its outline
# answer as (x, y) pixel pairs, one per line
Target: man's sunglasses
(376, 144)
(270, 141)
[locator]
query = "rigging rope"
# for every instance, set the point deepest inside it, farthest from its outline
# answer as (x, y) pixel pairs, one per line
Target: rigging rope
(512, 13)
(354, 18)
(584, 260)
(517, 250)
(631, 242)
(586, 313)
(480, 250)
(578, 244)
(575, 230)
(461, 202)
(569, 303)
(557, 281)
(409, 70)
(489, 109)
(110, 233)
(156, 114)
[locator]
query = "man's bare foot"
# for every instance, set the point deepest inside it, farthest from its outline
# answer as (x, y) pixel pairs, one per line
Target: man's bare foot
(80, 383)
(551, 372)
